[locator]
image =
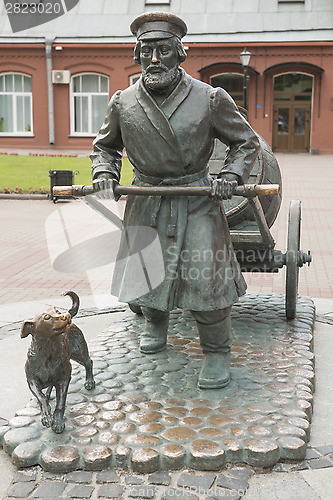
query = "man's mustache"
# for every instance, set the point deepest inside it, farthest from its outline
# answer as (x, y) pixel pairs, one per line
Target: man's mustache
(152, 67)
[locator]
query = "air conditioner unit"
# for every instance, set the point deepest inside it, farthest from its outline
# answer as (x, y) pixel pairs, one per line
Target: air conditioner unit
(62, 76)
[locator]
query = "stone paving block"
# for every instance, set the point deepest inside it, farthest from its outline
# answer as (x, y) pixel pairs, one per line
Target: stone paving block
(107, 476)
(111, 491)
(320, 463)
(145, 460)
(97, 457)
(142, 491)
(292, 448)
(27, 454)
(50, 489)
(16, 436)
(230, 483)
(51, 476)
(261, 452)
(311, 453)
(80, 491)
(79, 477)
(300, 466)
(290, 467)
(173, 456)
(224, 494)
(25, 476)
(132, 480)
(172, 493)
(160, 478)
(325, 449)
(207, 455)
(242, 473)
(21, 490)
(196, 482)
(60, 459)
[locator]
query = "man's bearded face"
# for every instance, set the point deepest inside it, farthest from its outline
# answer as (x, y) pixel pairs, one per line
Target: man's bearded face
(159, 63)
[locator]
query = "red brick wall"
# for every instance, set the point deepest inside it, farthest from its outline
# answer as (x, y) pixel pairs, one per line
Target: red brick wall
(116, 62)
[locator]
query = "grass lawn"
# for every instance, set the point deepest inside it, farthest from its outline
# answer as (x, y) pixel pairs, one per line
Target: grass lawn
(25, 172)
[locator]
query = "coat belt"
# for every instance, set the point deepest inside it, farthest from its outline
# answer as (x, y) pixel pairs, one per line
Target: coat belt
(168, 181)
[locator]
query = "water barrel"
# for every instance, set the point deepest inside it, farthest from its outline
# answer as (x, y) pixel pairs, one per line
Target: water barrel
(265, 170)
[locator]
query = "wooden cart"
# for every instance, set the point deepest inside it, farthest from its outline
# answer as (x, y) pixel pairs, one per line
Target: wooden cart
(250, 220)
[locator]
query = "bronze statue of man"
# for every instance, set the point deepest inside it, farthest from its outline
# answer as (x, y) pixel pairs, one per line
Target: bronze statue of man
(168, 122)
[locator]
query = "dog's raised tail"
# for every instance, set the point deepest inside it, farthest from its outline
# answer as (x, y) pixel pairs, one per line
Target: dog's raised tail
(76, 303)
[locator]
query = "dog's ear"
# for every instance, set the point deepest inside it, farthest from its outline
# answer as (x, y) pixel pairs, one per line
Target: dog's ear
(27, 329)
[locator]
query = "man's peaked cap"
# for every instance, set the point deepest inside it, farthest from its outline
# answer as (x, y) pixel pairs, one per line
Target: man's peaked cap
(158, 25)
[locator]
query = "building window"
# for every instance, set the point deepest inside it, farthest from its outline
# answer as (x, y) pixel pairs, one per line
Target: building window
(15, 104)
(134, 78)
(233, 83)
(293, 87)
(89, 100)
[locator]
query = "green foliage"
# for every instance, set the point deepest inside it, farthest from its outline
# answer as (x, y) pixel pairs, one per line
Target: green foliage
(31, 173)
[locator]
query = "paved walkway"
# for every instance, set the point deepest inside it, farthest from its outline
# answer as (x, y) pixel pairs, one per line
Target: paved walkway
(26, 275)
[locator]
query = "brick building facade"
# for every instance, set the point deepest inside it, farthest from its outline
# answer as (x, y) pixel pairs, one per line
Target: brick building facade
(56, 78)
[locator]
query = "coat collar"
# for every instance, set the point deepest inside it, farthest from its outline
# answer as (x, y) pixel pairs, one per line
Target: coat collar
(159, 116)
(174, 100)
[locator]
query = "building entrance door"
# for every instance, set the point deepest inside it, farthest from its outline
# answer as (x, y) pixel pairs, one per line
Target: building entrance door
(291, 127)
(292, 112)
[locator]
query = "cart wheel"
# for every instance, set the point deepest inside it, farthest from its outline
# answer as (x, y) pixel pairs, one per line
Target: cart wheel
(135, 309)
(293, 245)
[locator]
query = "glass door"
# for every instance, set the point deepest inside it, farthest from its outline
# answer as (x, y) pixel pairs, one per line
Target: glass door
(292, 112)
(291, 127)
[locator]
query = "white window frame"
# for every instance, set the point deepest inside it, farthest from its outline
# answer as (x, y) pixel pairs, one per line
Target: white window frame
(73, 94)
(133, 78)
(18, 133)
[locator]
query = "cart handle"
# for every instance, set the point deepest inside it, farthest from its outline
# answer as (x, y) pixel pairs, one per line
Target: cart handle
(246, 190)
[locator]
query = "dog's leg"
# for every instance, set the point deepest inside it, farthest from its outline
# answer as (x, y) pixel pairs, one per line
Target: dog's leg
(58, 415)
(79, 353)
(90, 382)
(48, 392)
(45, 409)
(86, 361)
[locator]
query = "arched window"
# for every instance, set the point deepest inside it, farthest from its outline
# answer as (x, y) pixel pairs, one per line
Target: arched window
(89, 100)
(233, 83)
(15, 104)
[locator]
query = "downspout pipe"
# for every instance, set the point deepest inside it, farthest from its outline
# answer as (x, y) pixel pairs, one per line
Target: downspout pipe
(48, 52)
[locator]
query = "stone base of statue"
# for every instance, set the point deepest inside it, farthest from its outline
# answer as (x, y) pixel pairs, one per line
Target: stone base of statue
(147, 412)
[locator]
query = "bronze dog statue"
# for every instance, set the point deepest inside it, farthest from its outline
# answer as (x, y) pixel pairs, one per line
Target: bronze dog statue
(55, 340)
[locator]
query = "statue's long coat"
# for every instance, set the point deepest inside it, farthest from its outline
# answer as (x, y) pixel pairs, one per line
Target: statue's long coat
(170, 144)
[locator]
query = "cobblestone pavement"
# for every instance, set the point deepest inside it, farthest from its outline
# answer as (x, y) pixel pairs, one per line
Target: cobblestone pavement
(153, 416)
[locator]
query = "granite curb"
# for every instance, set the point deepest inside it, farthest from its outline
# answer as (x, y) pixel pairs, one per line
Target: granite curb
(13, 196)
(232, 483)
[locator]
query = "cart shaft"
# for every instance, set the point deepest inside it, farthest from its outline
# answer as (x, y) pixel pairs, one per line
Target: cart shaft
(246, 190)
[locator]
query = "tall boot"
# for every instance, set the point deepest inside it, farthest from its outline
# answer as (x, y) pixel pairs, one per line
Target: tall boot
(216, 345)
(155, 333)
